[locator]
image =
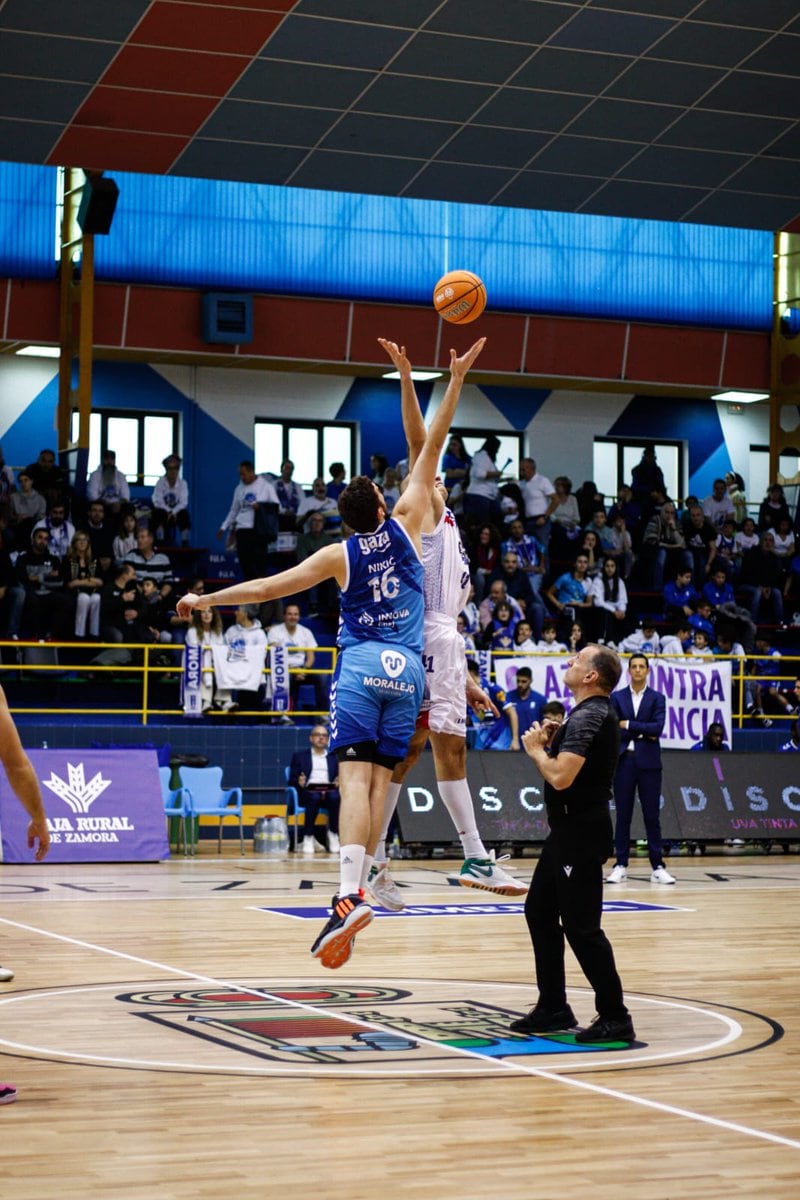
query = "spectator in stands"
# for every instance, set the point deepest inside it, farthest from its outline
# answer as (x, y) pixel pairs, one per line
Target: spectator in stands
(609, 604)
(512, 504)
(784, 539)
(179, 626)
(589, 545)
(470, 646)
(315, 774)
(300, 643)
(713, 740)
(700, 537)
(569, 594)
(700, 647)
(735, 486)
(171, 503)
(455, 470)
(589, 500)
(26, 507)
(497, 593)
(529, 551)
(205, 630)
(565, 520)
(717, 591)
(49, 479)
(148, 562)
(377, 465)
(663, 547)
(773, 507)
(155, 610)
(391, 488)
(726, 647)
(83, 584)
(246, 640)
(766, 683)
(471, 613)
(761, 580)
(539, 497)
(499, 633)
(793, 744)
(646, 477)
(251, 493)
(549, 643)
(42, 609)
(643, 640)
(324, 596)
(703, 618)
(523, 639)
(523, 706)
(719, 506)
(621, 545)
(680, 596)
(519, 587)
(290, 494)
(676, 645)
(726, 549)
(60, 531)
(125, 541)
(481, 497)
(101, 536)
(336, 485)
(108, 484)
(746, 538)
(576, 639)
(627, 506)
(318, 502)
(120, 616)
(484, 557)
(600, 527)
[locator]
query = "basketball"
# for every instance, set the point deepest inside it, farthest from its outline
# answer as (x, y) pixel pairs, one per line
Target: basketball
(459, 297)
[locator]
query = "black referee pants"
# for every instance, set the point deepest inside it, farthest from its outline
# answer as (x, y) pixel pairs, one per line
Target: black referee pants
(566, 902)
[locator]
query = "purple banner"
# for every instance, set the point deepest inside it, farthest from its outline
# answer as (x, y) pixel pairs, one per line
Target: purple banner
(102, 806)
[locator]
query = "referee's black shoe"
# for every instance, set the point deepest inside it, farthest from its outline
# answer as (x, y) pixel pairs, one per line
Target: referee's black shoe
(545, 1020)
(607, 1029)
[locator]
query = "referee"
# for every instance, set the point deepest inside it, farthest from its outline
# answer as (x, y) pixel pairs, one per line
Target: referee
(577, 762)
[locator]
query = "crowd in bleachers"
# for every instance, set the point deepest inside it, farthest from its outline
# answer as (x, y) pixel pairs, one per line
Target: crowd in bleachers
(551, 568)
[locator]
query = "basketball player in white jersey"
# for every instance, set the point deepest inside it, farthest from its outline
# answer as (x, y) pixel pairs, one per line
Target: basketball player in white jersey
(442, 716)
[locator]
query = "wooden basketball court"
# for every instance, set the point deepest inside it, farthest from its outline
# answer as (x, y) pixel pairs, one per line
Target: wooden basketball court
(171, 1037)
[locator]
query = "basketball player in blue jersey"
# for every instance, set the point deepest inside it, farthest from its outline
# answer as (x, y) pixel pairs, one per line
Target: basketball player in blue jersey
(442, 716)
(378, 683)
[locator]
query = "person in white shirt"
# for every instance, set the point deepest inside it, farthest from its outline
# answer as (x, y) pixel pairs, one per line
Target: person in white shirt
(251, 492)
(301, 643)
(206, 631)
(523, 639)
(719, 505)
(108, 484)
(171, 502)
(247, 644)
(609, 603)
(318, 502)
(549, 643)
(540, 499)
(480, 501)
(644, 639)
(700, 647)
(673, 644)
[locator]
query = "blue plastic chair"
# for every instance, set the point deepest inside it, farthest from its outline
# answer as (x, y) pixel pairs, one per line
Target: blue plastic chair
(177, 803)
(208, 798)
(295, 810)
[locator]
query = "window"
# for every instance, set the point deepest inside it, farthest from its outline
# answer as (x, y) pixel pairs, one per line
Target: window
(140, 443)
(311, 445)
(614, 461)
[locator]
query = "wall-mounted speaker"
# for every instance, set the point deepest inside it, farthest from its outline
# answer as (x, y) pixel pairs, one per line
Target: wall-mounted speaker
(98, 201)
(227, 318)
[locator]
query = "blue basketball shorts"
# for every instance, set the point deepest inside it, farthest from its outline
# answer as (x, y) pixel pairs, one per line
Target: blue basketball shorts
(375, 697)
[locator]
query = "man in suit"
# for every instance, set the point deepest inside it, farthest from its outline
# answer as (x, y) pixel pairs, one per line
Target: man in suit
(315, 774)
(642, 712)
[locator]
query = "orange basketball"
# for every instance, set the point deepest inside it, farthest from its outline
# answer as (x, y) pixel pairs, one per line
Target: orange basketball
(459, 297)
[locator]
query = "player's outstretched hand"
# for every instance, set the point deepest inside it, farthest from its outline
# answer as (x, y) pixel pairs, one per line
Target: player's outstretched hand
(398, 355)
(186, 604)
(460, 366)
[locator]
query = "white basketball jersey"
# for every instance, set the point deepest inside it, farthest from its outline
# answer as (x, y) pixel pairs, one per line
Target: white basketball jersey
(446, 586)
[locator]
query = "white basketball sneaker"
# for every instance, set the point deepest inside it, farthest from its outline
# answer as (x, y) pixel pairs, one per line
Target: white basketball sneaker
(662, 875)
(617, 875)
(485, 874)
(383, 888)
(6, 974)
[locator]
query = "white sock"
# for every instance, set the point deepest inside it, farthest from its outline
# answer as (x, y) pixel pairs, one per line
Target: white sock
(351, 859)
(457, 800)
(389, 805)
(368, 861)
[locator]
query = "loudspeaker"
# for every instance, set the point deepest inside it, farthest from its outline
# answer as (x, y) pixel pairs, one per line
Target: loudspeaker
(98, 202)
(227, 318)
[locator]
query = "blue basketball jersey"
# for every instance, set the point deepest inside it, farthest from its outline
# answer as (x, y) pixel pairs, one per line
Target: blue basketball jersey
(382, 597)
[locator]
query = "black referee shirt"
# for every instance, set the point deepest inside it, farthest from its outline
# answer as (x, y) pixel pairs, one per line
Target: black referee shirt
(580, 823)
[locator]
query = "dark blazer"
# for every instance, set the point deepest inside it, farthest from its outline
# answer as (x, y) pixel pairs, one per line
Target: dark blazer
(645, 730)
(301, 765)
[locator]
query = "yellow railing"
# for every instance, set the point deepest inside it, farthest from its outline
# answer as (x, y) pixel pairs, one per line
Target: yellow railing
(146, 669)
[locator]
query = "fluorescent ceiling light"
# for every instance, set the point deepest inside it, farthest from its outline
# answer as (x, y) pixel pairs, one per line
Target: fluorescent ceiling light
(418, 376)
(741, 397)
(40, 351)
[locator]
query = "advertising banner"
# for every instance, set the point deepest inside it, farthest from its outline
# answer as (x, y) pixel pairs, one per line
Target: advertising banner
(697, 691)
(102, 806)
(705, 797)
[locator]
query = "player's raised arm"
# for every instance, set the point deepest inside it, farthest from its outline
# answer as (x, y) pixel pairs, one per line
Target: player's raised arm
(327, 563)
(413, 504)
(413, 423)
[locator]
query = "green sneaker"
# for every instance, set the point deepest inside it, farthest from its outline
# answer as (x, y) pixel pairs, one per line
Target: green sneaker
(485, 874)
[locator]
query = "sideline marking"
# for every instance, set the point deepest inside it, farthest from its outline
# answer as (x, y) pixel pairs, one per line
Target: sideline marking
(519, 1068)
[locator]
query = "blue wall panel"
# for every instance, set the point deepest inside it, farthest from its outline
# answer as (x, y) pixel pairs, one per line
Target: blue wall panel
(27, 221)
